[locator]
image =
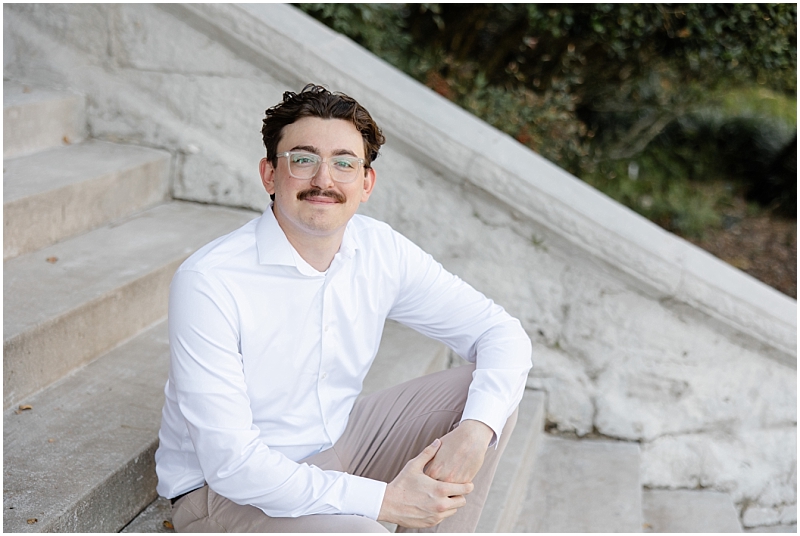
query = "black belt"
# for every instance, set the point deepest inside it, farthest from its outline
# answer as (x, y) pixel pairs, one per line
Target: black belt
(182, 495)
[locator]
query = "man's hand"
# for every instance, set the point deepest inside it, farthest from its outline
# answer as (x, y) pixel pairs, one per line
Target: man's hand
(415, 500)
(461, 455)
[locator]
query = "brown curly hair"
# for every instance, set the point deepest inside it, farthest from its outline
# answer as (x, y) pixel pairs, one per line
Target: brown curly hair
(316, 101)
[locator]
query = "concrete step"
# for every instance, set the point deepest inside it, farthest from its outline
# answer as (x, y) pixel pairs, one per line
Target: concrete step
(774, 528)
(157, 517)
(403, 355)
(81, 460)
(688, 511)
(61, 192)
(66, 304)
(583, 486)
(510, 484)
(35, 119)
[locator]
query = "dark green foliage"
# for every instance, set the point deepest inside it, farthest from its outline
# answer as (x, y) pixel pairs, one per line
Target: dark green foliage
(657, 190)
(779, 186)
(594, 87)
(758, 153)
(377, 27)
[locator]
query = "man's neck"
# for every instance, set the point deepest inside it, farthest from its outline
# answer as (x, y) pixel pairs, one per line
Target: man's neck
(316, 250)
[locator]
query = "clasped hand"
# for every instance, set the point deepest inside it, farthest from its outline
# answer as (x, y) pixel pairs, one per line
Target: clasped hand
(434, 485)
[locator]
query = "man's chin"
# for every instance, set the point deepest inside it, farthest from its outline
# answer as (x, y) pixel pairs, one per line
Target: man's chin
(323, 219)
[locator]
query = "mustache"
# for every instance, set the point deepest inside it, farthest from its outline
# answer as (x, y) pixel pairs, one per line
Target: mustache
(319, 192)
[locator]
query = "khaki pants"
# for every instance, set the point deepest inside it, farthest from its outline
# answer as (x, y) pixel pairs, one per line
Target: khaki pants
(385, 430)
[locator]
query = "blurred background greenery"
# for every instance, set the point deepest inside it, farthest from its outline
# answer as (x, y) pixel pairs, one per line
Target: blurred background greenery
(686, 113)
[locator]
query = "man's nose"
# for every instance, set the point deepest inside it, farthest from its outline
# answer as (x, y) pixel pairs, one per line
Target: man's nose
(323, 177)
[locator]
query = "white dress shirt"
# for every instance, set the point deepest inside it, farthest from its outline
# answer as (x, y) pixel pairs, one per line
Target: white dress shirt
(268, 356)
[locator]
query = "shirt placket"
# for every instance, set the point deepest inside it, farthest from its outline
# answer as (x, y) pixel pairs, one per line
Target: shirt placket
(328, 348)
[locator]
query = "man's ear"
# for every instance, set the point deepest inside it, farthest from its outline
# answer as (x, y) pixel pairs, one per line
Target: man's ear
(267, 173)
(369, 184)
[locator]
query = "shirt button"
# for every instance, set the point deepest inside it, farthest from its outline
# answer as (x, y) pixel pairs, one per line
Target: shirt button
(324, 375)
(326, 328)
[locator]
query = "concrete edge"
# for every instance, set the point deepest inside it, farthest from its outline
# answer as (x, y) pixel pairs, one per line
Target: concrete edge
(101, 510)
(673, 269)
(584, 485)
(152, 518)
(69, 329)
(700, 511)
(509, 487)
(64, 119)
(105, 472)
(135, 188)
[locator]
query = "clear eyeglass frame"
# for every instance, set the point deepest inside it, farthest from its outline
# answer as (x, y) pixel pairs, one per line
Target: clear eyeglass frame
(310, 169)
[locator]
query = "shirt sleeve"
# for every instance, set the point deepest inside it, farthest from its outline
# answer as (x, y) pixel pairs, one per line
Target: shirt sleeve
(207, 372)
(442, 306)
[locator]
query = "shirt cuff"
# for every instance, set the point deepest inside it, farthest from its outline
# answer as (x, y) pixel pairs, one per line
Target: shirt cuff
(488, 410)
(363, 497)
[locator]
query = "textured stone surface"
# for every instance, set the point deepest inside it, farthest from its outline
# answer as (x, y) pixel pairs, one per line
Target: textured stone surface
(688, 511)
(639, 335)
(35, 119)
(583, 486)
(570, 392)
(81, 460)
(116, 276)
(215, 143)
(54, 194)
(757, 468)
(157, 517)
(511, 478)
(784, 514)
(774, 528)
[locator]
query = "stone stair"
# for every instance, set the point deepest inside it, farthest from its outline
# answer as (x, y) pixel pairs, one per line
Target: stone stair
(511, 480)
(594, 486)
(37, 119)
(64, 191)
(90, 245)
(688, 511)
(583, 486)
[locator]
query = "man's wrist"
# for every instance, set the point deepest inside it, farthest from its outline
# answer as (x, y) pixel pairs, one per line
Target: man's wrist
(478, 431)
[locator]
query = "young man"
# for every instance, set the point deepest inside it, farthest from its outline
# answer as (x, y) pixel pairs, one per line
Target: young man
(273, 329)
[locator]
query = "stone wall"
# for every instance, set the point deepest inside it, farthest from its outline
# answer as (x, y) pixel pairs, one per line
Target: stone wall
(637, 334)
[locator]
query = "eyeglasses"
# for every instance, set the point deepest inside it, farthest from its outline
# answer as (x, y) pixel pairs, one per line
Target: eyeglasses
(304, 166)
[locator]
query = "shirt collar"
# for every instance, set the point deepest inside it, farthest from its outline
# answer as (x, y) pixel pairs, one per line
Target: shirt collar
(349, 241)
(274, 247)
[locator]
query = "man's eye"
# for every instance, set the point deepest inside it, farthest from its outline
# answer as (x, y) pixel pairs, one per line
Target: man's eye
(344, 164)
(303, 159)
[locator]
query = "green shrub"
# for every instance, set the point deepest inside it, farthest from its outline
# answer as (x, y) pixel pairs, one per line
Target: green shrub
(655, 187)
